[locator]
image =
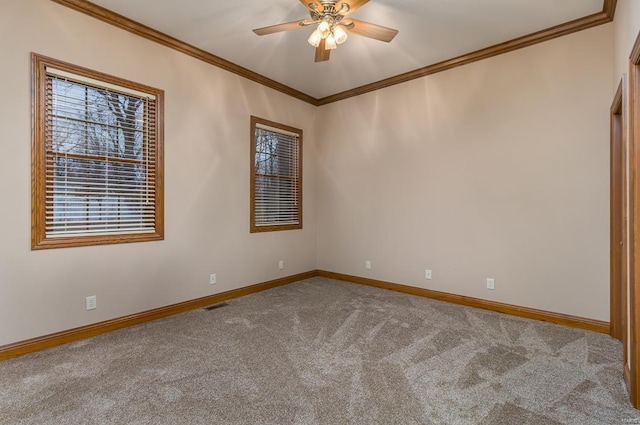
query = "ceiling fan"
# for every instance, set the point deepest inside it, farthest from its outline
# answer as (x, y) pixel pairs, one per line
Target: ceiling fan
(332, 22)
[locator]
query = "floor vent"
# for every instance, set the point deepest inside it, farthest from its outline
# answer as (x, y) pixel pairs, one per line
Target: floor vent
(213, 307)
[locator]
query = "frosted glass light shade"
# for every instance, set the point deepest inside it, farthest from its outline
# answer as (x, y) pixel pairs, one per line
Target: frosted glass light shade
(315, 38)
(339, 34)
(324, 29)
(330, 42)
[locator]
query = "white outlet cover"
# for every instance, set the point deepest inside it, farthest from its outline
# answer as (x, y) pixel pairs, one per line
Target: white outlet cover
(212, 279)
(427, 274)
(91, 302)
(491, 283)
(281, 264)
(367, 265)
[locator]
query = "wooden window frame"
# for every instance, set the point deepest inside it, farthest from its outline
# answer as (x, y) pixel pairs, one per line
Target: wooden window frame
(254, 228)
(39, 239)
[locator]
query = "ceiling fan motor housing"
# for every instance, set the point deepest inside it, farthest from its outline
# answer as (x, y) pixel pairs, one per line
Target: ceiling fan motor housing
(329, 7)
(328, 13)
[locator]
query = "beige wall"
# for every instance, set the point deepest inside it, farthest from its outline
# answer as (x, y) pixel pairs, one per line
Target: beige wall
(206, 178)
(496, 169)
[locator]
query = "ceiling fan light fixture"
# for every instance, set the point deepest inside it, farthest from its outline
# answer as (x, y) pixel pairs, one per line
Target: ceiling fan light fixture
(330, 42)
(315, 38)
(339, 34)
(331, 27)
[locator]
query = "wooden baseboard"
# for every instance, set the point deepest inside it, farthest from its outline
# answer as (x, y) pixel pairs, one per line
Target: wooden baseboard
(529, 313)
(64, 337)
(71, 335)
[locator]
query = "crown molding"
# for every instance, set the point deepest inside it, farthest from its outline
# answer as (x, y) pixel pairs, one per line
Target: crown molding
(149, 33)
(609, 8)
(105, 15)
(567, 28)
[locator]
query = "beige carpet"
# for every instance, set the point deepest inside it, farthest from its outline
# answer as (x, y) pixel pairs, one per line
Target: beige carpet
(325, 352)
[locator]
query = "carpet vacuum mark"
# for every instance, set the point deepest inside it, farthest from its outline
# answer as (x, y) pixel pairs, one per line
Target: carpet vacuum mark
(322, 351)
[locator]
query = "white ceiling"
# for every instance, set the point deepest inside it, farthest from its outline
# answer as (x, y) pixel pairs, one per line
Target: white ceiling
(430, 31)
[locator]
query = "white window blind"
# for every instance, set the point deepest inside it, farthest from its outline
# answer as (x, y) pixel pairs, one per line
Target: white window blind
(101, 158)
(277, 186)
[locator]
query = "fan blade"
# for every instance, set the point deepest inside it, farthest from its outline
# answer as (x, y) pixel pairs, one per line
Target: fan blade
(322, 54)
(366, 29)
(280, 27)
(308, 3)
(353, 6)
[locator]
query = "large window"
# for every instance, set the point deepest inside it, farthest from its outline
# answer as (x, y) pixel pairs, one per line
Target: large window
(276, 176)
(97, 170)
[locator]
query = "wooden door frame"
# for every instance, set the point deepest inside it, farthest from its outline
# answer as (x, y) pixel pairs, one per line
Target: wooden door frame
(618, 216)
(632, 372)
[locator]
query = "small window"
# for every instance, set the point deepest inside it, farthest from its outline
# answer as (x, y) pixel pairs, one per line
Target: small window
(97, 158)
(276, 176)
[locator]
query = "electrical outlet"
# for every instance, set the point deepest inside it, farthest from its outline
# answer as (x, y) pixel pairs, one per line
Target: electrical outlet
(91, 302)
(212, 279)
(281, 265)
(427, 274)
(367, 265)
(491, 283)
